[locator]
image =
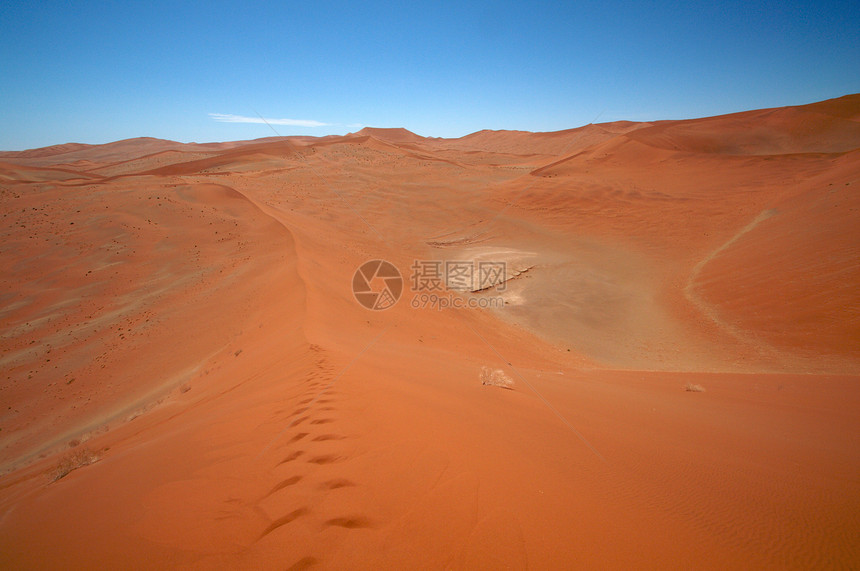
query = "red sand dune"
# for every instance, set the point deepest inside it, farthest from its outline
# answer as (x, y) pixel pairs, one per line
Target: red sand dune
(188, 382)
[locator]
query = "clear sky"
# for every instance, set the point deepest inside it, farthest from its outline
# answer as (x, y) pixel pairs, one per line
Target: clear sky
(95, 72)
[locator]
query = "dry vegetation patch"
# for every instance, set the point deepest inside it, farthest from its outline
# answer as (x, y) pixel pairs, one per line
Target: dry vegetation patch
(73, 461)
(496, 378)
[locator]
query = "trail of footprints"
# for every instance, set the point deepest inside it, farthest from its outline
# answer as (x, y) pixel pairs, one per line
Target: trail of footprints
(305, 463)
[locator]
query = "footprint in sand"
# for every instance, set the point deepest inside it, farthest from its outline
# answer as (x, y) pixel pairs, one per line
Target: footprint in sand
(303, 563)
(283, 484)
(337, 483)
(325, 459)
(324, 437)
(282, 521)
(297, 437)
(291, 457)
(354, 522)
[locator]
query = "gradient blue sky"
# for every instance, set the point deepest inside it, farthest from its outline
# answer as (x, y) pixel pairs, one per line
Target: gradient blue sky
(96, 72)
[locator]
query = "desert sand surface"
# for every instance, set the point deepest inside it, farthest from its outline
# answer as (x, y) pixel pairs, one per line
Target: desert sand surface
(189, 382)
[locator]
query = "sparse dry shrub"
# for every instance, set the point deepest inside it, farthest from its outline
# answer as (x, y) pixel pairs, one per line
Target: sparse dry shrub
(73, 461)
(691, 388)
(496, 378)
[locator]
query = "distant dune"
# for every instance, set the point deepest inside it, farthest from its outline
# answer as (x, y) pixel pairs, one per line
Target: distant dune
(391, 135)
(188, 381)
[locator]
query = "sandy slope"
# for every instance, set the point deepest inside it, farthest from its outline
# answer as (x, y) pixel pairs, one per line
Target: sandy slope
(178, 320)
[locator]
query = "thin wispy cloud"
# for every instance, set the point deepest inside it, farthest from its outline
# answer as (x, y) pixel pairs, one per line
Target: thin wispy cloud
(228, 118)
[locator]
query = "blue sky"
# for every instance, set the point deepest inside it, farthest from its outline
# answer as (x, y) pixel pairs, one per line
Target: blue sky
(96, 72)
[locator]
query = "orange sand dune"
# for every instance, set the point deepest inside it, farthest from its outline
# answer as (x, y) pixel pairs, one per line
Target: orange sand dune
(10, 172)
(45, 151)
(188, 381)
(810, 129)
(395, 135)
(101, 154)
(86, 157)
(550, 144)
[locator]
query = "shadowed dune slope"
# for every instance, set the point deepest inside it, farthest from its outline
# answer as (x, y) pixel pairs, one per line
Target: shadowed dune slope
(820, 128)
(116, 300)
